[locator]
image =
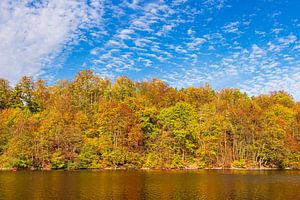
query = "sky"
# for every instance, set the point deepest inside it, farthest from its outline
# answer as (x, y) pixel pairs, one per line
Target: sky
(253, 45)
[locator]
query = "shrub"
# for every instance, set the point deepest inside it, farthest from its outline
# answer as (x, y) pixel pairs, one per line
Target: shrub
(239, 163)
(58, 160)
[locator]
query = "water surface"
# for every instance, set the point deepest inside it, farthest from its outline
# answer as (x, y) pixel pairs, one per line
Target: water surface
(206, 184)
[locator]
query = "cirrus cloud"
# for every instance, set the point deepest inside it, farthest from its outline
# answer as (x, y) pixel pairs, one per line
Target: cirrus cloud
(33, 33)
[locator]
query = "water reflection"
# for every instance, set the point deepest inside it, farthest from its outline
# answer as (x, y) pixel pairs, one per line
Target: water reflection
(203, 184)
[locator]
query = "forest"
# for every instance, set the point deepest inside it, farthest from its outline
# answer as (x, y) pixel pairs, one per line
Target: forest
(94, 123)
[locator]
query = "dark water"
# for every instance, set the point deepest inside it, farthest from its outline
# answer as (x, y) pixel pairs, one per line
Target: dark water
(150, 185)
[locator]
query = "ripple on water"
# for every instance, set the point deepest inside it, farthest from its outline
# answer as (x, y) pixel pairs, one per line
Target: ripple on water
(205, 184)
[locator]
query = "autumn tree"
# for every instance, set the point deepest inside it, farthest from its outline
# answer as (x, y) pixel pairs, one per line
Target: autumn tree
(92, 122)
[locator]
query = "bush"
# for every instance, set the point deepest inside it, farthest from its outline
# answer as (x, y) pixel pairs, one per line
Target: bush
(201, 164)
(177, 162)
(71, 165)
(133, 160)
(88, 158)
(20, 163)
(239, 163)
(293, 161)
(58, 160)
(152, 160)
(116, 158)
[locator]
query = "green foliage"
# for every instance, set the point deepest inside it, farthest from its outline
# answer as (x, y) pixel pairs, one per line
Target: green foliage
(20, 163)
(239, 164)
(116, 158)
(181, 121)
(293, 161)
(58, 160)
(133, 160)
(201, 163)
(93, 123)
(5, 94)
(89, 156)
(152, 161)
(176, 162)
(71, 165)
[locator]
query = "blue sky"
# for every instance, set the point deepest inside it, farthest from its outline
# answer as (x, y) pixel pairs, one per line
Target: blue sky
(249, 44)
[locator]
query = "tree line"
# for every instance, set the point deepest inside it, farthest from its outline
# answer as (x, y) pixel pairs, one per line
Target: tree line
(91, 122)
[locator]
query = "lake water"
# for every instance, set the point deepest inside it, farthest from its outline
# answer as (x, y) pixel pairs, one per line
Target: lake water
(203, 184)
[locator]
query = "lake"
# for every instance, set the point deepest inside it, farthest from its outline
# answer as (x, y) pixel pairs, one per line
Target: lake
(202, 184)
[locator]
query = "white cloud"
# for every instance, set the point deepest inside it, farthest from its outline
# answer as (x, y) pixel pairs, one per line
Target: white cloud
(210, 47)
(133, 5)
(165, 29)
(190, 32)
(287, 40)
(141, 25)
(195, 43)
(277, 30)
(257, 51)
(143, 42)
(125, 34)
(260, 68)
(178, 2)
(261, 33)
(218, 4)
(232, 27)
(127, 31)
(32, 34)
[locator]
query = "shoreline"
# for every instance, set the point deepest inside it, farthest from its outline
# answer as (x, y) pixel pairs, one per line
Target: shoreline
(155, 169)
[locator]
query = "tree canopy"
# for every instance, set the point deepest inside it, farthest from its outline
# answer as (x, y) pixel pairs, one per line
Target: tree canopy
(91, 122)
